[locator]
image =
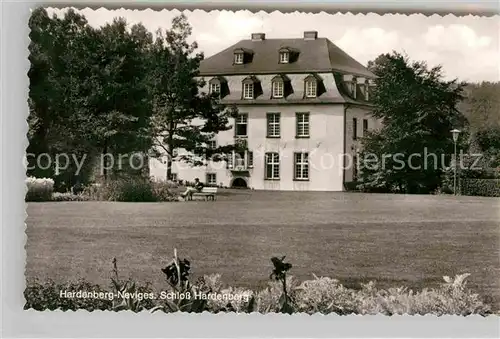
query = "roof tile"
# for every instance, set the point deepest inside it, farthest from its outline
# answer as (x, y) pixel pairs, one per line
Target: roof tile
(315, 56)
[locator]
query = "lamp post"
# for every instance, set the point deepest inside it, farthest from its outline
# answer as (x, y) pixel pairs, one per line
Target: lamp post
(455, 132)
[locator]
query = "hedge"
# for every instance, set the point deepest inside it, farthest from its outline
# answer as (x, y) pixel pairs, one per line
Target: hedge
(481, 187)
(39, 189)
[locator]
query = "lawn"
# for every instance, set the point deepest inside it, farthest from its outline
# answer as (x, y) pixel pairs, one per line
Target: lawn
(394, 239)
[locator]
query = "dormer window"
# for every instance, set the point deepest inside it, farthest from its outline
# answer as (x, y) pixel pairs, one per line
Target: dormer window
(370, 85)
(281, 86)
(311, 89)
(238, 58)
(242, 56)
(248, 90)
(313, 86)
(354, 85)
(251, 88)
(351, 83)
(214, 88)
(218, 85)
(284, 57)
(278, 89)
(287, 55)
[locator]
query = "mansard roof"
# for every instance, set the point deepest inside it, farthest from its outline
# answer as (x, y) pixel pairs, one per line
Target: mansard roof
(318, 55)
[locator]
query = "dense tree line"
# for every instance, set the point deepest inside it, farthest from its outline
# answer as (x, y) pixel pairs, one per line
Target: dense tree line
(115, 90)
(118, 89)
(419, 109)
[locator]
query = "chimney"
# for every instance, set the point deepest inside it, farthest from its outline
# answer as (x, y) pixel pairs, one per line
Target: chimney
(258, 36)
(310, 35)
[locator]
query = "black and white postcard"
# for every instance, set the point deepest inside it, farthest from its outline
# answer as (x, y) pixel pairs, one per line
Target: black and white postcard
(288, 163)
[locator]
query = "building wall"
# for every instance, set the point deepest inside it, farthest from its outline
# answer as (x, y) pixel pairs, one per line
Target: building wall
(325, 144)
(325, 148)
(354, 146)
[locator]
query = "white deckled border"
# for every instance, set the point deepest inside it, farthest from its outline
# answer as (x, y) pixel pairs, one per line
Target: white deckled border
(18, 323)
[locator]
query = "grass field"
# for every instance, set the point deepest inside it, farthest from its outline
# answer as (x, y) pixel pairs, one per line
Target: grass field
(394, 239)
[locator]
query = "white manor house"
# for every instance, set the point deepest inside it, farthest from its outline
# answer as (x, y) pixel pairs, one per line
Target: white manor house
(302, 104)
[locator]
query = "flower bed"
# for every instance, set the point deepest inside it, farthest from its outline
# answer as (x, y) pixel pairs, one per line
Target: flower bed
(283, 295)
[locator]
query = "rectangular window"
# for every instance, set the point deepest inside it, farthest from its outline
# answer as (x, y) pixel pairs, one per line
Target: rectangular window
(272, 166)
(249, 159)
(311, 89)
(229, 160)
(173, 176)
(365, 126)
(248, 90)
(211, 179)
(354, 129)
(238, 58)
(241, 128)
(301, 166)
(212, 144)
(239, 159)
(273, 125)
(215, 88)
(302, 125)
(354, 88)
(284, 57)
(278, 89)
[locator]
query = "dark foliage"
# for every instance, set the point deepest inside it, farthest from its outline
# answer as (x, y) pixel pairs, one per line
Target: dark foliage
(481, 187)
(173, 272)
(418, 110)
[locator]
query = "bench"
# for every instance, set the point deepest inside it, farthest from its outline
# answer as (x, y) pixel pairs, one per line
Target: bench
(208, 192)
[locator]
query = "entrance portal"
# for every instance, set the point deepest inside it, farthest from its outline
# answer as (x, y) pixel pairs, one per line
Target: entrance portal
(239, 183)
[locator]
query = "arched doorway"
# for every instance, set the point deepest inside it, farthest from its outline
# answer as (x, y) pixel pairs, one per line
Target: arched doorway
(239, 183)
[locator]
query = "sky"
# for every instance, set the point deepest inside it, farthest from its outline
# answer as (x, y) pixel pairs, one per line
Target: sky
(467, 47)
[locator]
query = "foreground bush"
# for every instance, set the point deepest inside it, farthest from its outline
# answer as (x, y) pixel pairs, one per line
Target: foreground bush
(49, 295)
(282, 295)
(39, 189)
(69, 197)
(132, 189)
(320, 295)
(481, 187)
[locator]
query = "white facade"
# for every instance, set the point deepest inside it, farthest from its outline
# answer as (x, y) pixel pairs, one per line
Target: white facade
(330, 135)
(298, 100)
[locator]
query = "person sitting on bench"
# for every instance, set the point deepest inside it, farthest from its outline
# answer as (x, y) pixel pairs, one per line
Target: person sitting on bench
(198, 186)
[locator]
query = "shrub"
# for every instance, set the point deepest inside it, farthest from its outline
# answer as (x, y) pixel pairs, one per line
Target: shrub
(212, 284)
(283, 294)
(325, 295)
(96, 191)
(481, 187)
(162, 191)
(69, 197)
(39, 189)
(47, 295)
(450, 298)
(126, 294)
(132, 190)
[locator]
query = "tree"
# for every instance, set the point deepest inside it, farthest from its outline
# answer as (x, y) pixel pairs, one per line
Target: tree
(88, 90)
(118, 102)
(183, 118)
(418, 109)
(482, 109)
(481, 105)
(55, 49)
